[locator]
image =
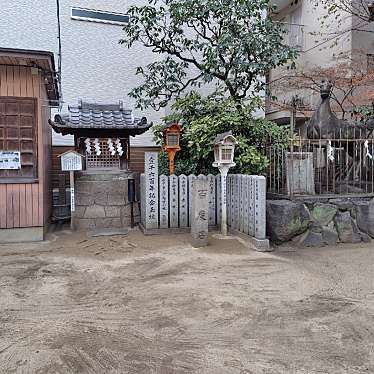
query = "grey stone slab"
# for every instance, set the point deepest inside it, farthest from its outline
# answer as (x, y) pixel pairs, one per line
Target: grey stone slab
(200, 212)
(151, 190)
(235, 212)
(245, 204)
(219, 198)
(173, 202)
(183, 201)
(300, 173)
(260, 207)
(251, 206)
(142, 200)
(241, 202)
(232, 202)
(20, 235)
(191, 179)
(112, 211)
(212, 200)
(107, 232)
(164, 201)
(95, 211)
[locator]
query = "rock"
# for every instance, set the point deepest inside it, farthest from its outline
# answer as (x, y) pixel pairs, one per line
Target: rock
(342, 204)
(324, 213)
(346, 228)
(311, 239)
(365, 216)
(329, 235)
(286, 219)
(365, 237)
(315, 227)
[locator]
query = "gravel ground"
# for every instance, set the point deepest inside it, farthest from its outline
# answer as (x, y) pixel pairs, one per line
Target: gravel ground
(135, 304)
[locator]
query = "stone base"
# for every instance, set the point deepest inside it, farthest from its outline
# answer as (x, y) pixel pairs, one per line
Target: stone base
(260, 245)
(20, 235)
(101, 202)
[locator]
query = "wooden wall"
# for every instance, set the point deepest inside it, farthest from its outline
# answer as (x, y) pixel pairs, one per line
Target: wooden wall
(137, 157)
(28, 204)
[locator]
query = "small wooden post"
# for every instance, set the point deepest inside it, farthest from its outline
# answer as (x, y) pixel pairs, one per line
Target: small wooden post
(72, 197)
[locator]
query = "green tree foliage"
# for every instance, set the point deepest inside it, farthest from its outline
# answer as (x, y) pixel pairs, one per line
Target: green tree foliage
(226, 42)
(203, 118)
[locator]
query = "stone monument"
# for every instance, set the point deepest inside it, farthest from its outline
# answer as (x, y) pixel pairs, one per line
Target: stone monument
(200, 212)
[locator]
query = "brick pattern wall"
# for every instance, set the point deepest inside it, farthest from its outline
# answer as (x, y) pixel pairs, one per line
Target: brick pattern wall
(102, 202)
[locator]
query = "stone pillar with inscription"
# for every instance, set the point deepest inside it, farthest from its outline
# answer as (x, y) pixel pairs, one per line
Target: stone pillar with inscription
(151, 190)
(200, 212)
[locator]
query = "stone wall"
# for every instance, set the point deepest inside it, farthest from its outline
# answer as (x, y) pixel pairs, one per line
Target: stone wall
(322, 221)
(102, 202)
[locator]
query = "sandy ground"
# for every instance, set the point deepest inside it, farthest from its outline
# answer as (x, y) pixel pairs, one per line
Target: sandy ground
(135, 304)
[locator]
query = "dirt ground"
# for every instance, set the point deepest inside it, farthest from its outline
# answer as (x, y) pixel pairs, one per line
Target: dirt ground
(135, 304)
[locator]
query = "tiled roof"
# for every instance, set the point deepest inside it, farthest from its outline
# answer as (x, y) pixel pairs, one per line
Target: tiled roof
(99, 116)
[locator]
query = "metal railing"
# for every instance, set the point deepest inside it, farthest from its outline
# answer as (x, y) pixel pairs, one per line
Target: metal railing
(319, 167)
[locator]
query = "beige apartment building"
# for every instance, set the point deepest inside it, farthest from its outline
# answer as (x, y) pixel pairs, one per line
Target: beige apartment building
(319, 48)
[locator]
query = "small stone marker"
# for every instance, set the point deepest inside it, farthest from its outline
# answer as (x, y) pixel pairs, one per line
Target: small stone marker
(164, 202)
(260, 207)
(218, 204)
(251, 207)
(183, 201)
(191, 179)
(200, 212)
(173, 201)
(212, 200)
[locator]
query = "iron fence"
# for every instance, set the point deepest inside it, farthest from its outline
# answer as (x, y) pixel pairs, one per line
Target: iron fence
(324, 166)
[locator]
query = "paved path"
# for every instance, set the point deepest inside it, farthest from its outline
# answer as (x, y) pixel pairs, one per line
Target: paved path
(132, 305)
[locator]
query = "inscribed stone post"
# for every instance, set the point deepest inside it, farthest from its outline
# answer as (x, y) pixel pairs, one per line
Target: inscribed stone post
(260, 207)
(183, 201)
(232, 201)
(143, 199)
(241, 203)
(251, 207)
(235, 212)
(151, 190)
(164, 202)
(200, 212)
(191, 179)
(173, 201)
(219, 202)
(245, 203)
(212, 199)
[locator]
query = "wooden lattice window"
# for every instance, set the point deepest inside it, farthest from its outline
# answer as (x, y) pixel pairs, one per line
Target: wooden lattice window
(105, 160)
(18, 132)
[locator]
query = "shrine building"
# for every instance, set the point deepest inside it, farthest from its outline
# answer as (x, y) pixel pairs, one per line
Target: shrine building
(102, 136)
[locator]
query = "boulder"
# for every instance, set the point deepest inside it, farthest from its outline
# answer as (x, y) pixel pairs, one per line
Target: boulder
(330, 235)
(310, 239)
(286, 219)
(324, 213)
(343, 204)
(365, 216)
(346, 228)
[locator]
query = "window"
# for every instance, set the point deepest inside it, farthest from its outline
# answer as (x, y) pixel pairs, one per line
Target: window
(370, 61)
(99, 16)
(18, 134)
(105, 160)
(296, 32)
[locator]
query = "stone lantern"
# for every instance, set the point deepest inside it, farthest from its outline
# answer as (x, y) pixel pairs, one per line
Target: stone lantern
(224, 148)
(171, 134)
